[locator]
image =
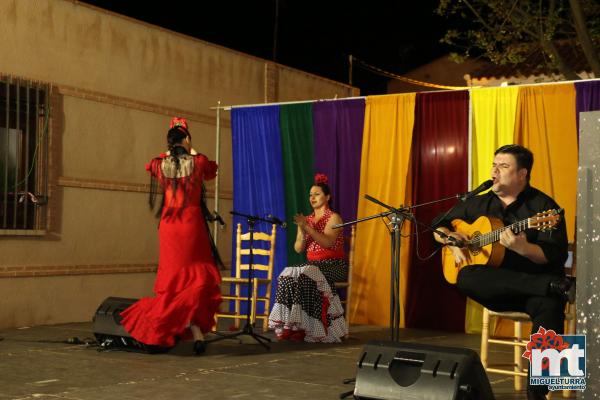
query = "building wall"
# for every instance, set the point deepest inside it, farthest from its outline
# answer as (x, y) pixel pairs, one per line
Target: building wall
(442, 71)
(116, 83)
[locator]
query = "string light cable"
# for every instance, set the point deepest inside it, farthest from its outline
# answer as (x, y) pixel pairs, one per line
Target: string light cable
(388, 74)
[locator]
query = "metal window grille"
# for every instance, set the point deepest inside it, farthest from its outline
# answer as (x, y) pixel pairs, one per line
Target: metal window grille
(24, 120)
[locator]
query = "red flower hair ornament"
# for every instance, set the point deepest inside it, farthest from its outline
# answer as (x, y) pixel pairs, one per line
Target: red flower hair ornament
(321, 178)
(177, 122)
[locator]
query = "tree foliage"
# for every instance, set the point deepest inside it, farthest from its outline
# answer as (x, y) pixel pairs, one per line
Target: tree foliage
(510, 31)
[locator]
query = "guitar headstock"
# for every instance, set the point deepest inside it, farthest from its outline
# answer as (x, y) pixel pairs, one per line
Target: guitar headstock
(545, 220)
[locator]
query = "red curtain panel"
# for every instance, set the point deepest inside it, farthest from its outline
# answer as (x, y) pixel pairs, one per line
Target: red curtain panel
(439, 169)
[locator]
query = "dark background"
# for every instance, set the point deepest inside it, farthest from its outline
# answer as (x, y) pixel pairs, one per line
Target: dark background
(314, 36)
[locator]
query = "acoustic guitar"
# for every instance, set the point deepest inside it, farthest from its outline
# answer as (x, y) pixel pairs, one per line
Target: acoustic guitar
(482, 246)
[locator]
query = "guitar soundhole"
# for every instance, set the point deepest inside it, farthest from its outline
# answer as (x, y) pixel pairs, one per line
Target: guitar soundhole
(474, 246)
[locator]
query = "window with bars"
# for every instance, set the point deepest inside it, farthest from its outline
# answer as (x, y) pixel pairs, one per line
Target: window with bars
(24, 120)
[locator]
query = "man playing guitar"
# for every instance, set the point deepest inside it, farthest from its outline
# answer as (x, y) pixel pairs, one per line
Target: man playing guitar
(530, 277)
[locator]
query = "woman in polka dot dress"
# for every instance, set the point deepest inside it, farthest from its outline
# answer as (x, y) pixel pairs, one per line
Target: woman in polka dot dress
(307, 306)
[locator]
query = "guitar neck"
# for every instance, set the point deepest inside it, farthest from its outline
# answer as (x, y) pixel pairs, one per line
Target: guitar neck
(494, 236)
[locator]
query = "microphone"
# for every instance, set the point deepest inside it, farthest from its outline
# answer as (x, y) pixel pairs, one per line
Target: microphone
(484, 186)
(218, 218)
(277, 221)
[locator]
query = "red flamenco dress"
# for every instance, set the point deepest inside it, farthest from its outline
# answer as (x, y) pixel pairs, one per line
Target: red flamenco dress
(187, 283)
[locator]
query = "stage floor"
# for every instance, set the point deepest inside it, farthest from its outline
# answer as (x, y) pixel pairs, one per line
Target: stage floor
(36, 363)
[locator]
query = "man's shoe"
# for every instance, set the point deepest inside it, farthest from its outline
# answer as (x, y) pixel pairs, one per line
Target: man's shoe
(565, 288)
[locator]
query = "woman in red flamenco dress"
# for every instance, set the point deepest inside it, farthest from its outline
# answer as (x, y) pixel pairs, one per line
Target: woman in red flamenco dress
(187, 292)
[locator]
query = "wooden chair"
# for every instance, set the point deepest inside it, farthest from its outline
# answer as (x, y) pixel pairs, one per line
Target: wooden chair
(519, 367)
(348, 284)
(263, 246)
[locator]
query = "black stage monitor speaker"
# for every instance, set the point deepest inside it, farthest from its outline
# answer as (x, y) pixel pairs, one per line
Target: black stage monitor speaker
(396, 370)
(107, 328)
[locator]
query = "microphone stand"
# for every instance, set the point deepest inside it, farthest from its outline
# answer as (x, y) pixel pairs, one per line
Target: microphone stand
(397, 217)
(248, 328)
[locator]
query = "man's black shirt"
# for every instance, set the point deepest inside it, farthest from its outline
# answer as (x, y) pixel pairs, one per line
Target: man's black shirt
(528, 203)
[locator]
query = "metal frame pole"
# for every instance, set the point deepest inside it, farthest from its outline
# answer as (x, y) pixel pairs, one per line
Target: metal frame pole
(218, 178)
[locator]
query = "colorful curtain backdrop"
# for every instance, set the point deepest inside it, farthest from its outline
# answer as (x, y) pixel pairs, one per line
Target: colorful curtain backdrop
(493, 125)
(439, 169)
(588, 98)
(296, 122)
(337, 142)
(546, 126)
(258, 187)
(277, 150)
(384, 175)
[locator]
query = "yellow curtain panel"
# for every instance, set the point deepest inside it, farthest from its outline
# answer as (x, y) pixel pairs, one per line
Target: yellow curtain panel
(385, 162)
(546, 124)
(493, 112)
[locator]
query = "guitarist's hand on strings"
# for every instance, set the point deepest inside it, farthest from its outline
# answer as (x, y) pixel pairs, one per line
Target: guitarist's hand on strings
(520, 245)
(517, 243)
(461, 239)
(457, 252)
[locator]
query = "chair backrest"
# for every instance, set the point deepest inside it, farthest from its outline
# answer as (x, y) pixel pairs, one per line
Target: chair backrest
(349, 241)
(260, 241)
(348, 284)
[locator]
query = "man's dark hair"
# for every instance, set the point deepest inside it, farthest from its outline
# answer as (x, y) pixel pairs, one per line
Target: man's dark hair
(522, 154)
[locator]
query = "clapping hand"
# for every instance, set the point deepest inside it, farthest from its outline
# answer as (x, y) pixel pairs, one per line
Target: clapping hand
(301, 221)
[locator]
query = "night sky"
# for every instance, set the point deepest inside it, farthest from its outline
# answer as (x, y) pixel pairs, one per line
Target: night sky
(314, 36)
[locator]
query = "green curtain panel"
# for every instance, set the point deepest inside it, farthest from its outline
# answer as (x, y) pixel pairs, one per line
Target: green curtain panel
(296, 124)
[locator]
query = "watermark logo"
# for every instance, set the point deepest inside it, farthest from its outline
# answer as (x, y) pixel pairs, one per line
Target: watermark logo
(557, 361)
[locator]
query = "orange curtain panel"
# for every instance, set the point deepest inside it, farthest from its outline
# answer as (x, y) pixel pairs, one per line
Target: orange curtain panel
(385, 161)
(546, 124)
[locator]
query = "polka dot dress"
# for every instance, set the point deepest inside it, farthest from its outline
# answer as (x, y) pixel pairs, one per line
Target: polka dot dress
(306, 298)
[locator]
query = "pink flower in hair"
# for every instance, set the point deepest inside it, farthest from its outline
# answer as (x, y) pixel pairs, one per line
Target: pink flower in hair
(321, 178)
(177, 122)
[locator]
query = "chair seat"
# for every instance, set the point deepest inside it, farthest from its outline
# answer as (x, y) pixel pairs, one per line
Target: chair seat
(226, 314)
(233, 279)
(242, 297)
(518, 316)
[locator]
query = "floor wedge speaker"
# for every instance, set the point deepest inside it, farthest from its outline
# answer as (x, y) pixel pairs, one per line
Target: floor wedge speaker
(397, 370)
(110, 334)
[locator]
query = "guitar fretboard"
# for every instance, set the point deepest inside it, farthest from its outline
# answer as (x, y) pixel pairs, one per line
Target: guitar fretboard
(494, 236)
